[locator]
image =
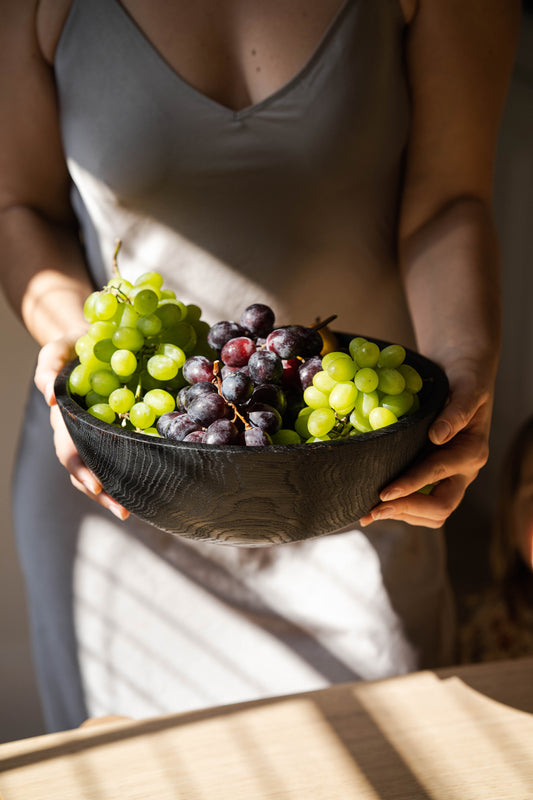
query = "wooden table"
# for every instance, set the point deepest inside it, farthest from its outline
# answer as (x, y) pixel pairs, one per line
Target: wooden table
(457, 734)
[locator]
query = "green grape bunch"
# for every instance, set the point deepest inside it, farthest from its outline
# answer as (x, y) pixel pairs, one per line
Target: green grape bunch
(131, 357)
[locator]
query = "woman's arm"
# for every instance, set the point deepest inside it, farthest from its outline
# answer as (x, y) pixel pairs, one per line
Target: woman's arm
(460, 55)
(42, 269)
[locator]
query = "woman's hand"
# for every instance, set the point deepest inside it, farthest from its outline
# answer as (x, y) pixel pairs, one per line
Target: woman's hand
(52, 358)
(460, 435)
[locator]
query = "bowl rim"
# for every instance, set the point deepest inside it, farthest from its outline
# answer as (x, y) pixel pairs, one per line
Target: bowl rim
(68, 405)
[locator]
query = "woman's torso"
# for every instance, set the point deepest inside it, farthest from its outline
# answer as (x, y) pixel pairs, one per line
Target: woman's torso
(268, 170)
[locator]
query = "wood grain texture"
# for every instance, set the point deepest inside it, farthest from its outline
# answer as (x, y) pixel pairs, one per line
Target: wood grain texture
(425, 736)
(255, 495)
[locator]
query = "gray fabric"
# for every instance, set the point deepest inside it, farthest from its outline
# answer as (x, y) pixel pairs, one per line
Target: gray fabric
(291, 201)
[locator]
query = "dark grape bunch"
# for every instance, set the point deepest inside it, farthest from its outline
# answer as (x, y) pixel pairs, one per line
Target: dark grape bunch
(252, 392)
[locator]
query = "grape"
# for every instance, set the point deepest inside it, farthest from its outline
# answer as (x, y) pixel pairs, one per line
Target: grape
(150, 325)
(194, 312)
(237, 388)
(294, 340)
(271, 394)
(163, 368)
(207, 408)
(104, 349)
(265, 367)
(341, 369)
(315, 398)
(391, 356)
(286, 436)
(104, 382)
(102, 411)
(141, 415)
(189, 393)
(88, 307)
(258, 319)
(329, 358)
(399, 404)
(105, 306)
(265, 417)
(93, 398)
(366, 401)
(172, 351)
(381, 417)
(198, 368)
(222, 332)
(79, 380)
(355, 344)
(153, 279)
(145, 301)
(84, 347)
(123, 363)
(170, 314)
(323, 382)
(197, 436)
(121, 400)
(366, 379)
(122, 286)
(391, 381)
(308, 369)
(160, 401)
(321, 421)
(101, 330)
(221, 431)
(360, 421)
(152, 432)
(300, 424)
(255, 437)
(183, 335)
(367, 354)
(342, 398)
(413, 381)
(126, 316)
(125, 338)
(237, 352)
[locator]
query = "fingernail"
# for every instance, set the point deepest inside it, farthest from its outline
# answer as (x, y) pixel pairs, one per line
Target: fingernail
(92, 486)
(441, 431)
(118, 511)
(390, 494)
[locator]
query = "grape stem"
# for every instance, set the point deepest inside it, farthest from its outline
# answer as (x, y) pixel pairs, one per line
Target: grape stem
(115, 258)
(318, 325)
(218, 381)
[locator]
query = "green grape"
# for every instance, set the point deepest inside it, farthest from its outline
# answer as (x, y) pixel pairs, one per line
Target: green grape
(148, 383)
(194, 312)
(413, 381)
(168, 294)
(366, 379)
(366, 401)
(399, 404)
(120, 284)
(367, 354)
(88, 307)
(390, 380)
(321, 421)
(145, 301)
(201, 328)
(128, 317)
(103, 411)
(160, 401)
(92, 398)
(152, 432)
(176, 383)
(163, 368)
(128, 339)
(183, 335)
(359, 421)
(329, 358)
(342, 398)
(84, 347)
(142, 416)
(105, 305)
(314, 439)
(315, 398)
(152, 279)
(391, 356)
(300, 424)
(416, 404)
(381, 417)
(92, 363)
(170, 312)
(123, 363)
(79, 380)
(104, 382)
(341, 369)
(104, 349)
(323, 382)
(101, 330)
(121, 400)
(355, 343)
(286, 436)
(149, 325)
(172, 351)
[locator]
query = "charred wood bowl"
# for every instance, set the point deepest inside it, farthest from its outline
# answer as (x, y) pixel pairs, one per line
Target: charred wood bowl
(252, 495)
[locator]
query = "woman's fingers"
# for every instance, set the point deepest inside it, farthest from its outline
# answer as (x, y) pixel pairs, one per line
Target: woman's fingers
(52, 358)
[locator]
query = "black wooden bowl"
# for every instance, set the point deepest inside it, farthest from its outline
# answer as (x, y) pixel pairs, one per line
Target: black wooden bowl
(252, 495)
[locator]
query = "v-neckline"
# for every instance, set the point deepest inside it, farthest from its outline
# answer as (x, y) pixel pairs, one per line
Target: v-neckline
(251, 108)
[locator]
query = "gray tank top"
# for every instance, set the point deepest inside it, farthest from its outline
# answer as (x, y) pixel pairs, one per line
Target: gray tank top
(291, 201)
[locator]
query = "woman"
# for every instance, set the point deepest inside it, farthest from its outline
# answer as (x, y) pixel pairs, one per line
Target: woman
(323, 158)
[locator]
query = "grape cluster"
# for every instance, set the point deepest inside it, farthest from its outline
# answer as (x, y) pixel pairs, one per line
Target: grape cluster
(131, 357)
(251, 392)
(359, 391)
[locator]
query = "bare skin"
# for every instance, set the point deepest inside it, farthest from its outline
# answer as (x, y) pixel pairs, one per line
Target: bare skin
(459, 57)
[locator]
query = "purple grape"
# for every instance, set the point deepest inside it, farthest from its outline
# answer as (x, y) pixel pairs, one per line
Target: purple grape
(264, 417)
(265, 367)
(293, 341)
(221, 431)
(225, 371)
(255, 437)
(222, 332)
(237, 388)
(237, 352)
(271, 394)
(165, 420)
(197, 437)
(291, 377)
(207, 408)
(308, 369)
(190, 393)
(198, 369)
(258, 319)
(178, 427)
